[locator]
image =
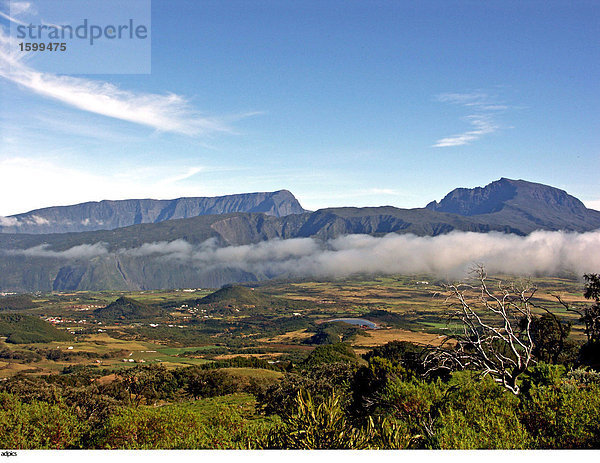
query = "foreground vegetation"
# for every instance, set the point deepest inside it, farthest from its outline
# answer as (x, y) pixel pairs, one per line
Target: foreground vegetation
(329, 401)
(225, 376)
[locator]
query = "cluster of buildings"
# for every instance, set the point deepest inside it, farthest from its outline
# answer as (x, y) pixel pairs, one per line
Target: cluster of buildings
(86, 307)
(59, 320)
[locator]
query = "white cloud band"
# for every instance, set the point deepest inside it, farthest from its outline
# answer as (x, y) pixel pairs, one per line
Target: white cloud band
(540, 253)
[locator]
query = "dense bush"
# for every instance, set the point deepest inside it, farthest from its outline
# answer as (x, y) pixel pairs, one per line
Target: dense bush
(37, 425)
(209, 383)
(147, 384)
(209, 424)
(18, 302)
(319, 381)
(563, 412)
(316, 424)
(551, 343)
(333, 332)
(480, 415)
(393, 361)
(31, 388)
(322, 423)
(330, 353)
(24, 356)
(243, 362)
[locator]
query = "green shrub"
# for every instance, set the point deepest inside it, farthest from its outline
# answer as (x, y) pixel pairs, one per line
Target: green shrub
(463, 414)
(148, 383)
(38, 425)
(207, 424)
(316, 424)
(330, 353)
(564, 414)
(320, 381)
(480, 415)
(209, 383)
(414, 403)
(542, 374)
(322, 423)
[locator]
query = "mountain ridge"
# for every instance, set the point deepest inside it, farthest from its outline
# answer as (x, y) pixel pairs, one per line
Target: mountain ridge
(113, 214)
(123, 258)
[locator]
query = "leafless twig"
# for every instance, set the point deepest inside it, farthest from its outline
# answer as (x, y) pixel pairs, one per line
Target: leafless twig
(495, 337)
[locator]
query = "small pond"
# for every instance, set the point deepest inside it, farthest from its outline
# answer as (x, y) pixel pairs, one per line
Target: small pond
(356, 321)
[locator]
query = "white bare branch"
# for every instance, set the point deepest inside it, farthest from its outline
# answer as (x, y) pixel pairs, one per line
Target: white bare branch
(496, 331)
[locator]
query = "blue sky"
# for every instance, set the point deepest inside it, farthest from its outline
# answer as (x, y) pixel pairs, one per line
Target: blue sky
(345, 103)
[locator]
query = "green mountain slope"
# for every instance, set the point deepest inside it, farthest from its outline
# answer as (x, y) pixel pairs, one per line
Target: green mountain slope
(21, 329)
(241, 297)
(126, 308)
(235, 296)
(18, 302)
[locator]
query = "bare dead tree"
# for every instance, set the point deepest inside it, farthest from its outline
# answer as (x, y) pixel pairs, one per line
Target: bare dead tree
(495, 335)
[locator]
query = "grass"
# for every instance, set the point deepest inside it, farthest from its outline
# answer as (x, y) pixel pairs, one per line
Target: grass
(380, 337)
(178, 350)
(256, 373)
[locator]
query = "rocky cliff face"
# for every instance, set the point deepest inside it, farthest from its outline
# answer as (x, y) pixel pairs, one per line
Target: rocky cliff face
(109, 215)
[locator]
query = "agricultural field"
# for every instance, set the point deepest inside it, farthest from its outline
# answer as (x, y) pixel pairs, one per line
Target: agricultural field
(276, 321)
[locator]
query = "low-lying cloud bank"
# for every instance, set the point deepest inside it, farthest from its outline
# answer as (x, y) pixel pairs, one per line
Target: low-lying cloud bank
(8, 222)
(540, 253)
(84, 251)
(14, 222)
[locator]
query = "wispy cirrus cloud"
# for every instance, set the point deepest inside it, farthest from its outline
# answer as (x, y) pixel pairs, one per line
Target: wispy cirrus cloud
(58, 182)
(482, 125)
(483, 108)
(189, 173)
(15, 8)
(162, 112)
(11, 19)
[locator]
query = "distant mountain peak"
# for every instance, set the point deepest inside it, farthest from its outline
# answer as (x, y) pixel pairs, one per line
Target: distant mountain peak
(521, 205)
(506, 192)
(127, 308)
(475, 201)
